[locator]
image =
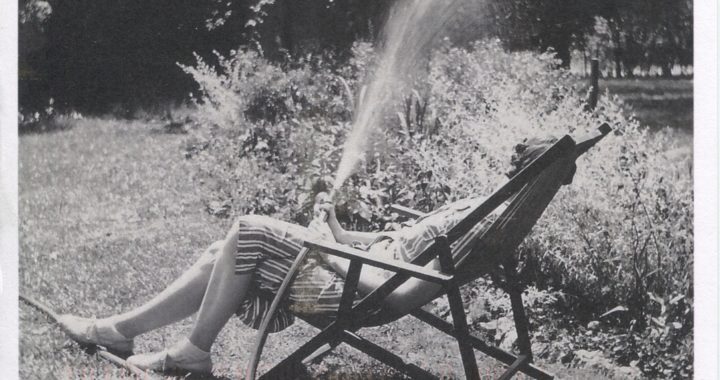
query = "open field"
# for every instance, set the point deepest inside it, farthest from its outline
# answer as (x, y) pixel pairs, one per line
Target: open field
(110, 213)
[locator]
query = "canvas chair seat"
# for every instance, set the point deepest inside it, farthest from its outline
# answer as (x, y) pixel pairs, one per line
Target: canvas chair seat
(465, 253)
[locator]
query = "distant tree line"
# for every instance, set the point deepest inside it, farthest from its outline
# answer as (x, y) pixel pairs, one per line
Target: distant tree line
(644, 33)
(97, 55)
(631, 33)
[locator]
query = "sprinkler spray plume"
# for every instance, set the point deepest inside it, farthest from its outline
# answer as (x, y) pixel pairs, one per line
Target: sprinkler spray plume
(407, 36)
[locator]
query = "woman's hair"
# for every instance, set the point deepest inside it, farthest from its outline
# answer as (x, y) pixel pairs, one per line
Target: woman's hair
(527, 151)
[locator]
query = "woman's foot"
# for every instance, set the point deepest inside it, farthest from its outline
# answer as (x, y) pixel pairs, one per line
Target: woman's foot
(183, 356)
(100, 332)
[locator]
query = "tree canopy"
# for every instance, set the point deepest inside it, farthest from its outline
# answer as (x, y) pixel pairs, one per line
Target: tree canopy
(95, 55)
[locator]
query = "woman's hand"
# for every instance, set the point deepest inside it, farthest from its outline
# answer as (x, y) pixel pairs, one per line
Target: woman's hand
(329, 209)
(323, 204)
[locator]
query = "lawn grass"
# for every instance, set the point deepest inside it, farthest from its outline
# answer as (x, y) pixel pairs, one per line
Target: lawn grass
(656, 102)
(110, 213)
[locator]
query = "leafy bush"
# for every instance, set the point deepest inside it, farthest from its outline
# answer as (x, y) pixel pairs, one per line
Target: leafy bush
(246, 87)
(616, 245)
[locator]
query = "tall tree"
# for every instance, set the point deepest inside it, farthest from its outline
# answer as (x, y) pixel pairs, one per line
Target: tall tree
(543, 24)
(646, 33)
(104, 53)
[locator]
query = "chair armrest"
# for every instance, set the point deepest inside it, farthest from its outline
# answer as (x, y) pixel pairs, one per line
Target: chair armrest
(406, 211)
(397, 266)
(589, 141)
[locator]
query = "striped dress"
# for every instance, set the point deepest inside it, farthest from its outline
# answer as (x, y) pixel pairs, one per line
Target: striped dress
(267, 248)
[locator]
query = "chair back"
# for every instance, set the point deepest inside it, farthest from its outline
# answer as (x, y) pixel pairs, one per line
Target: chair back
(483, 248)
(478, 248)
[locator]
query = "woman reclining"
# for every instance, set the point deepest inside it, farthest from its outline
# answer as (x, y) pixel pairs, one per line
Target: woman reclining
(240, 275)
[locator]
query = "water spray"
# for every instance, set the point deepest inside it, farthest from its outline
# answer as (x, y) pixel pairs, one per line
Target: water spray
(408, 33)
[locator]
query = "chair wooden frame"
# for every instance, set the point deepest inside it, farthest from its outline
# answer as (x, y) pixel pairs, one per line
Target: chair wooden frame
(351, 318)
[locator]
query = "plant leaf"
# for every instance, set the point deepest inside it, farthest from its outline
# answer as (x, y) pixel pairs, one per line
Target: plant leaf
(614, 310)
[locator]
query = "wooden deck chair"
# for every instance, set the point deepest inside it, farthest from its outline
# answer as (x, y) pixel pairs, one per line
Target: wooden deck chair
(465, 253)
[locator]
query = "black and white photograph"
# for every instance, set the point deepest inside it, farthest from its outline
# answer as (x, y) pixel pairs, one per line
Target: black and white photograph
(347, 189)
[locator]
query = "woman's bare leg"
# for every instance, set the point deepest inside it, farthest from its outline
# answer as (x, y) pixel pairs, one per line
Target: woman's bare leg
(225, 291)
(178, 301)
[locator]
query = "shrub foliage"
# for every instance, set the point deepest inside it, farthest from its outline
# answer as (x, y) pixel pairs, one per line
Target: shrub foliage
(615, 246)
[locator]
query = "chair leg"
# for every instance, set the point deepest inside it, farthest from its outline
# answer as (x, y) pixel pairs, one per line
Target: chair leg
(514, 290)
(325, 349)
(319, 354)
(514, 368)
(521, 325)
(287, 365)
(461, 330)
(289, 369)
(462, 334)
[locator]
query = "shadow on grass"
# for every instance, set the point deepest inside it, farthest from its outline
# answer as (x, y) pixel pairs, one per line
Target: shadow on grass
(45, 126)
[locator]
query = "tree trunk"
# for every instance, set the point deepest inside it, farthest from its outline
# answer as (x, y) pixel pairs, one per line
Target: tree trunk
(286, 27)
(563, 53)
(629, 71)
(594, 85)
(617, 50)
(618, 63)
(666, 70)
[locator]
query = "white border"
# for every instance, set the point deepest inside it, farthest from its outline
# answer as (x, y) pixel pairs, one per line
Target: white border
(8, 189)
(706, 190)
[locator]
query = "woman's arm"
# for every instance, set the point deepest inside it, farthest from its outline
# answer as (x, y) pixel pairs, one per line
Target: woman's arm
(412, 294)
(342, 235)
